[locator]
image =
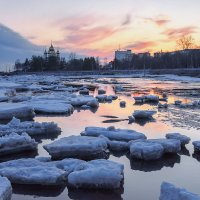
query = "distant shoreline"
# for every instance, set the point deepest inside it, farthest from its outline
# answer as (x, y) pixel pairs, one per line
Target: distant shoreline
(193, 72)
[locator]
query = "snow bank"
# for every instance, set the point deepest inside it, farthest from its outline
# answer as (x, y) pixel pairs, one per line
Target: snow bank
(29, 127)
(183, 138)
(97, 174)
(170, 192)
(10, 110)
(77, 147)
(5, 189)
(146, 150)
(113, 134)
(144, 114)
(14, 143)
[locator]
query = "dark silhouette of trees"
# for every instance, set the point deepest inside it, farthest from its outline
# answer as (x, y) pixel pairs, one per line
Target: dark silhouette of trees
(38, 63)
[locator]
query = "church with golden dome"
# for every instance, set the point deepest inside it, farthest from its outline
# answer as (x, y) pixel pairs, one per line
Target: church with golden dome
(51, 53)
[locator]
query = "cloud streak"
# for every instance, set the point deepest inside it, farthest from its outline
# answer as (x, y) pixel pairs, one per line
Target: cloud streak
(175, 33)
(141, 45)
(160, 20)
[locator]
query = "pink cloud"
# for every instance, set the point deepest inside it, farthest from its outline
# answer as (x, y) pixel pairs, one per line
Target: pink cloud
(175, 33)
(141, 45)
(160, 20)
(86, 30)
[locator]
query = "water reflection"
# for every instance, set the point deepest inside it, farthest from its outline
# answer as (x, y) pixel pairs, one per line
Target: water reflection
(168, 160)
(38, 190)
(26, 154)
(143, 122)
(196, 155)
(95, 194)
(184, 151)
(46, 136)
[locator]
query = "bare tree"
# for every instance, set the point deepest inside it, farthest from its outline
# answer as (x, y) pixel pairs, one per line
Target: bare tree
(186, 42)
(72, 56)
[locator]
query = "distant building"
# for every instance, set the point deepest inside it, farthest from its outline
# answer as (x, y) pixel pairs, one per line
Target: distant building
(52, 53)
(123, 55)
(144, 55)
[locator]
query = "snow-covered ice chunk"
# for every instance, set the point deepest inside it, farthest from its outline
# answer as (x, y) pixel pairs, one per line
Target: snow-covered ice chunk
(51, 107)
(10, 110)
(17, 99)
(146, 99)
(143, 114)
(169, 145)
(101, 91)
(29, 127)
(122, 103)
(68, 164)
(93, 103)
(131, 119)
(84, 91)
(170, 192)
(5, 189)
(118, 145)
(119, 88)
(183, 138)
(160, 105)
(32, 171)
(14, 143)
(82, 100)
(77, 147)
(196, 145)
(113, 134)
(97, 174)
(151, 98)
(146, 150)
(103, 98)
(178, 102)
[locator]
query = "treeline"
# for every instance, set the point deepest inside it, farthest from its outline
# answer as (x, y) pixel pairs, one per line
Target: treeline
(189, 58)
(38, 63)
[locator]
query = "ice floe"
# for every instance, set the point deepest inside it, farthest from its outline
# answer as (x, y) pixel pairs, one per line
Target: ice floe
(29, 127)
(113, 134)
(5, 189)
(146, 150)
(147, 99)
(14, 143)
(183, 138)
(51, 107)
(169, 145)
(32, 171)
(18, 110)
(83, 147)
(196, 145)
(97, 174)
(101, 174)
(144, 114)
(170, 192)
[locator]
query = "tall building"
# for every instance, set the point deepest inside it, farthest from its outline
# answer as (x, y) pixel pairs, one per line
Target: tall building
(51, 53)
(123, 55)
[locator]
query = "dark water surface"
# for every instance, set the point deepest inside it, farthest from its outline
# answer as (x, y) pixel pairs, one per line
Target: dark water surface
(142, 180)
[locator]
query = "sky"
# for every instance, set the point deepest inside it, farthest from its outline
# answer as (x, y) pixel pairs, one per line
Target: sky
(99, 27)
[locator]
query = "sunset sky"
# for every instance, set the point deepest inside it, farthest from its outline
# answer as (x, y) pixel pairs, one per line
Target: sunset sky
(98, 27)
